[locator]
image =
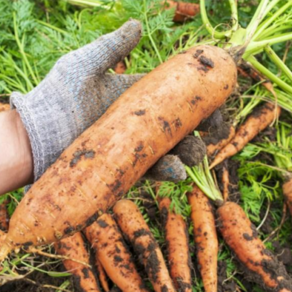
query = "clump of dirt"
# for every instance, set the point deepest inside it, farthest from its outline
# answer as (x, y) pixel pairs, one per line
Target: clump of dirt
(4, 100)
(191, 151)
(213, 121)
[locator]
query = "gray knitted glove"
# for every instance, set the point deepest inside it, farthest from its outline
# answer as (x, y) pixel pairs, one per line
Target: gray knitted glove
(74, 94)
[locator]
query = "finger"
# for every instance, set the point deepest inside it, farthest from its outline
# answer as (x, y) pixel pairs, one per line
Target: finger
(168, 168)
(106, 51)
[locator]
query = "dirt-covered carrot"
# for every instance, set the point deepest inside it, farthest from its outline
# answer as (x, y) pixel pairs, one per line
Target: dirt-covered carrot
(4, 107)
(241, 236)
(147, 120)
(103, 279)
(74, 248)
(205, 237)
(4, 217)
(255, 123)
(113, 254)
(136, 230)
(287, 192)
(183, 10)
(177, 241)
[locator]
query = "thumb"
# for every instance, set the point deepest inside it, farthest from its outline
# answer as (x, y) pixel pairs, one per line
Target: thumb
(107, 50)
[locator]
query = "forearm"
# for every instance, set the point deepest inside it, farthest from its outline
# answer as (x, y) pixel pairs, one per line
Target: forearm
(16, 163)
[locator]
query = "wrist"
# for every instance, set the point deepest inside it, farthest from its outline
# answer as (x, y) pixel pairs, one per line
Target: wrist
(16, 168)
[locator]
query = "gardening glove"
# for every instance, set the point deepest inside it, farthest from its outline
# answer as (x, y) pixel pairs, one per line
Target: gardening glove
(74, 94)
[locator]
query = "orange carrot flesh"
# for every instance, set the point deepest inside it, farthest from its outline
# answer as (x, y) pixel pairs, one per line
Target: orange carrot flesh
(225, 183)
(74, 248)
(147, 120)
(252, 126)
(183, 10)
(205, 237)
(4, 217)
(214, 148)
(101, 274)
(134, 227)
(113, 254)
(287, 192)
(176, 238)
(241, 236)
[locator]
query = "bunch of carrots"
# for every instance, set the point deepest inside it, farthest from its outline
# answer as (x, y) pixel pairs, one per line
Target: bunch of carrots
(122, 242)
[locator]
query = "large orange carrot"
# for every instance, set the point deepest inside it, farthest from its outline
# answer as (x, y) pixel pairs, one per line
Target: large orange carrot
(74, 248)
(255, 123)
(241, 236)
(177, 241)
(147, 120)
(183, 10)
(287, 192)
(205, 237)
(136, 230)
(112, 252)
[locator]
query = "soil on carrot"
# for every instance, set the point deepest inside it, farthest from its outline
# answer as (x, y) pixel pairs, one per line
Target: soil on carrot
(4, 100)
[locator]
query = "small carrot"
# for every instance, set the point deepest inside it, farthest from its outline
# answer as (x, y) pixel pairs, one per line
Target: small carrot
(120, 67)
(134, 227)
(4, 217)
(205, 237)
(176, 238)
(225, 183)
(183, 10)
(240, 235)
(287, 192)
(113, 254)
(101, 275)
(74, 248)
(255, 123)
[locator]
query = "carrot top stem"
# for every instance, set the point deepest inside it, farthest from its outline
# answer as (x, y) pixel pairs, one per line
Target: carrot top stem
(202, 176)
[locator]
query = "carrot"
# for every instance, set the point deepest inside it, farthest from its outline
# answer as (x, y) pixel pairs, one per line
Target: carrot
(113, 254)
(4, 217)
(74, 248)
(241, 236)
(255, 123)
(287, 192)
(183, 10)
(176, 238)
(101, 275)
(225, 183)
(136, 230)
(147, 120)
(120, 67)
(4, 107)
(205, 237)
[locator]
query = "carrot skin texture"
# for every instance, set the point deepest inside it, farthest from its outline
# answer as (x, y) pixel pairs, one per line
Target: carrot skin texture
(241, 237)
(287, 192)
(146, 122)
(113, 254)
(176, 238)
(136, 230)
(205, 237)
(251, 127)
(74, 247)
